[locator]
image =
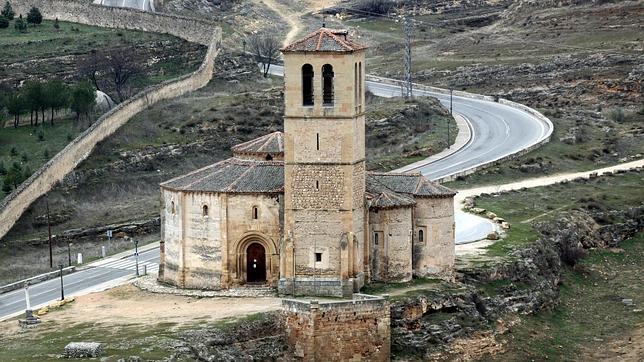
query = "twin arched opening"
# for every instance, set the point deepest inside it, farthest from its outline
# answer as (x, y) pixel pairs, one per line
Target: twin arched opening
(308, 85)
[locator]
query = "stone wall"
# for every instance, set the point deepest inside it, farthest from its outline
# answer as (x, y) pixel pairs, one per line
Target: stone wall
(12, 207)
(357, 330)
(434, 256)
(84, 12)
(391, 258)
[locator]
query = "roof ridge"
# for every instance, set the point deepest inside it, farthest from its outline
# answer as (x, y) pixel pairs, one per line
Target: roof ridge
(232, 184)
(192, 172)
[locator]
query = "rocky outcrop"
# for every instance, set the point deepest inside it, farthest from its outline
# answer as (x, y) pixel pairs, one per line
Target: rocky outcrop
(462, 319)
(261, 339)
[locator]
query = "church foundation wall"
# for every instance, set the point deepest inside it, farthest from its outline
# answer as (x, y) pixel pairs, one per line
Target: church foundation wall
(356, 330)
(435, 255)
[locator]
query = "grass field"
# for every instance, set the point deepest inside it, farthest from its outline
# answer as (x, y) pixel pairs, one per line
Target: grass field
(591, 322)
(44, 41)
(521, 208)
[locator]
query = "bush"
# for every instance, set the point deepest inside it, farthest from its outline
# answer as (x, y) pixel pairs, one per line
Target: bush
(4, 22)
(56, 25)
(34, 17)
(41, 135)
(376, 7)
(617, 115)
(571, 253)
(20, 25)
(7, 11)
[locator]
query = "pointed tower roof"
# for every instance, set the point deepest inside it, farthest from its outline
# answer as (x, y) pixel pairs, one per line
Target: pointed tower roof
(325, 40)
(272, 143)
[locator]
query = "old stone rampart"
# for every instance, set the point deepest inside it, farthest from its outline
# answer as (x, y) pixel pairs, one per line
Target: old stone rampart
(356, 330)
(84, 12)
(12, 207)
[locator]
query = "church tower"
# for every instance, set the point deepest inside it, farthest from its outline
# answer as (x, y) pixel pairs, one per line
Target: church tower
(324, 165)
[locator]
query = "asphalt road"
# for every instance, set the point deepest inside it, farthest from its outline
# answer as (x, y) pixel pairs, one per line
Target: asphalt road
(497, 131)
(97, 276)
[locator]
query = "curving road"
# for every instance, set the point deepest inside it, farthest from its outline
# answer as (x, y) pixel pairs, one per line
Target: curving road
(497, 131)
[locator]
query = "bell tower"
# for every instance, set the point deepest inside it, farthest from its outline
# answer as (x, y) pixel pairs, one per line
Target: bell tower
(324, 165)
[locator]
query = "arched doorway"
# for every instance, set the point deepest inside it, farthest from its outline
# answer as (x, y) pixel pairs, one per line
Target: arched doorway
(255, 263)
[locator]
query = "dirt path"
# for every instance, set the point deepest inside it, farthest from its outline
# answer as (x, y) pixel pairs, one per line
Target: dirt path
(547, 180)
(133, 306)
(293, 16)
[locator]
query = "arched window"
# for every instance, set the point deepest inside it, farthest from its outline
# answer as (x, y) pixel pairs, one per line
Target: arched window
(360, 83)
(172, 208)
(355, 84)
(255, 213)
(327, 85)
(269, 157)
(204, 210)
(421, 236)
(307, 85)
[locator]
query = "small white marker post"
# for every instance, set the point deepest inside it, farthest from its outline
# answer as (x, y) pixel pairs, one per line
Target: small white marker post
(29, 314)
(27, 299)
(103, 251)
(79, 258)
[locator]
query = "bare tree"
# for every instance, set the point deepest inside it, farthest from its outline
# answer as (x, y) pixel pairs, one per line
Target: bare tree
(92, 66)
(122, 66)
(265, 47)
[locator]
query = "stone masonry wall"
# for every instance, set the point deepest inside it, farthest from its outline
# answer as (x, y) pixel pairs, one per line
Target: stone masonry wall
(84, 12)
(391, 259)
(357, 330)
(434, 256)
(12, 207)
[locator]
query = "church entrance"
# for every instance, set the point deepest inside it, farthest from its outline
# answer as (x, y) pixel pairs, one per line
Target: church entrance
(255, 263)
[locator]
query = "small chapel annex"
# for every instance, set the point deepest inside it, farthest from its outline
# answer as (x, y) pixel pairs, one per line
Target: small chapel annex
(297, 210)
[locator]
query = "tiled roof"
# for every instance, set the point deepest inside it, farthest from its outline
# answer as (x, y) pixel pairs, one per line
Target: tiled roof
(411, 183)
(325, 40)
(381, 197)
(233, 176)
(272, 143)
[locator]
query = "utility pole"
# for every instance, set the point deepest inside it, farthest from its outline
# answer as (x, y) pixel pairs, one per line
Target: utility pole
(451, 113)
(51, 253)
(62, 290)
(69, 253)
(408, 29)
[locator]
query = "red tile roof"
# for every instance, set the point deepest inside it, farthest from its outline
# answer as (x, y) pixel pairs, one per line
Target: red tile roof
(325, 40)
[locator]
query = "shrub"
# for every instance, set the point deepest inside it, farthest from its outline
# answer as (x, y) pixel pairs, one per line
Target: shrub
(3, 168)
(571, 253)
(4, 22)
(56, 25)
(41, 135)
(7, 11)
(34, 16)
(376, 7)
(20, 25)
(617, 115)
(6, 187)
(45, 154)
(14, 151)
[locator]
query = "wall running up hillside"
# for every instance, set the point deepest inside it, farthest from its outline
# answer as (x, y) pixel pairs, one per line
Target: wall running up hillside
(194, 30)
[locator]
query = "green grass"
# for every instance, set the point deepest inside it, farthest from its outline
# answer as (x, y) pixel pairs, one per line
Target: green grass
(150, 341)
(30, 149)
(590, 314)
(45, 41)
(378, 288)
(521, 208)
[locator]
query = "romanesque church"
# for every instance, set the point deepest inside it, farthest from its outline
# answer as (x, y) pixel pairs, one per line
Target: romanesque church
(297, 210)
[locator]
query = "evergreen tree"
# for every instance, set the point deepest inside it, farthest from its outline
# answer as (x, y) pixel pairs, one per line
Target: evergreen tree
(21, 24)
(82, 99)
(4, 22)
(7, 11)
(56, 96)
(15, 104)
(34, 16)
(56, 25)
(35, 98)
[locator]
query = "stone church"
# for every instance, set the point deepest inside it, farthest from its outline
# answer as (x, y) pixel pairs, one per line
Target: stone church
(297, 210)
